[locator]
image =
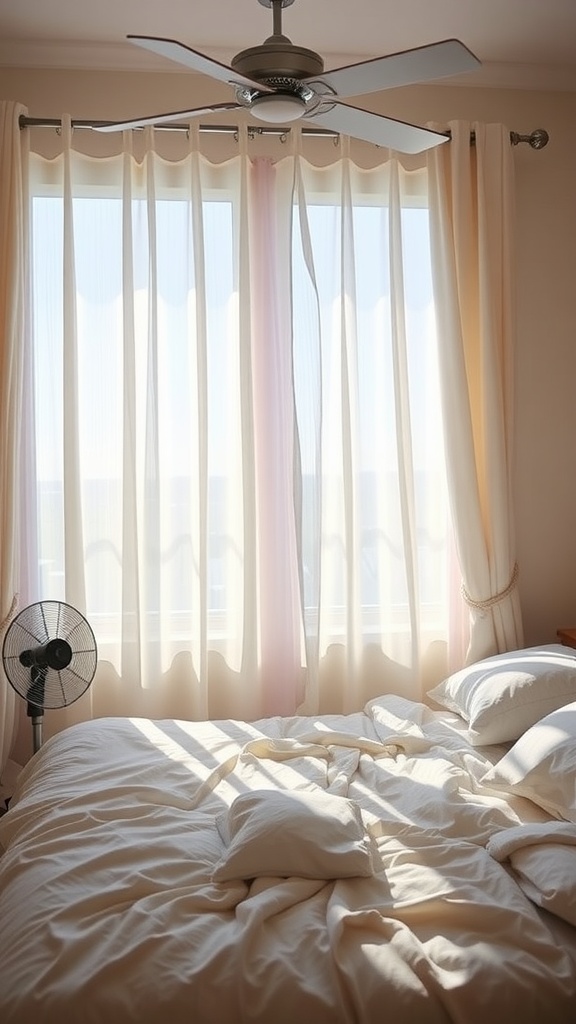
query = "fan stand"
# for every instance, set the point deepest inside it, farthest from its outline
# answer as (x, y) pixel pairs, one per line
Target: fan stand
(56, 655)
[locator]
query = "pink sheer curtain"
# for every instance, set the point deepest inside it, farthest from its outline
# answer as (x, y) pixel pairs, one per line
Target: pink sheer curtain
(274, 432)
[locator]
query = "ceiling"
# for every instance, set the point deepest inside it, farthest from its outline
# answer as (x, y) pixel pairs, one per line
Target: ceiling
(521, 43)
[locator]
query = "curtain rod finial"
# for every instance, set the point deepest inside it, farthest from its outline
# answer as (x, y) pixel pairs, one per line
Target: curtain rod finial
(537, 139)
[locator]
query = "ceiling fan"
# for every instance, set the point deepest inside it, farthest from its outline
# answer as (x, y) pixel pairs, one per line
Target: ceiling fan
(279, 83)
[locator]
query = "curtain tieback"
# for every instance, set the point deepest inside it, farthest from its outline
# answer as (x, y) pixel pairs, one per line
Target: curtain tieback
(6, 620)
(489, 602)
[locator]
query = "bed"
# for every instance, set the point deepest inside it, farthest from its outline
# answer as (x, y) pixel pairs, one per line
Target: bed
(408, 862)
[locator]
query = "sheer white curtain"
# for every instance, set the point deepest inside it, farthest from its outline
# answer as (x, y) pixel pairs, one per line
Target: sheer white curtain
(240, 466)
(236, 445)
(471, 207)
(13, 325)
(373, 515)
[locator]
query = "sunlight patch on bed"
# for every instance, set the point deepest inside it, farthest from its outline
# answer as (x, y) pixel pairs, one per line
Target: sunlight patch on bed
(169, 747)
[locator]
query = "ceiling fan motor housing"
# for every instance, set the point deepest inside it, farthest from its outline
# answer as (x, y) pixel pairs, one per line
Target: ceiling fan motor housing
(277, 58)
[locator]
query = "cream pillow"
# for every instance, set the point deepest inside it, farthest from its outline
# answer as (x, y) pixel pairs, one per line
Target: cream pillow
(502, 696)
(308, 834)
(542, 765)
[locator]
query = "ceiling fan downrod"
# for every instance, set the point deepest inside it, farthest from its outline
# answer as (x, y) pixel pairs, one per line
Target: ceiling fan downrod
(276, 6)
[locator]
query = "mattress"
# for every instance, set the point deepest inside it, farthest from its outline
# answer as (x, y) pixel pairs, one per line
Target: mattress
(340, 868)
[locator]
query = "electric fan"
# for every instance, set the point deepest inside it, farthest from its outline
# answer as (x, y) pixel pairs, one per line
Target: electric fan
(279, 82)
(49, 655)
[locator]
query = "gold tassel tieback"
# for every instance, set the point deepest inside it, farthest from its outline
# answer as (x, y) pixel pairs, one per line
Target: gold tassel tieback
(489, 602)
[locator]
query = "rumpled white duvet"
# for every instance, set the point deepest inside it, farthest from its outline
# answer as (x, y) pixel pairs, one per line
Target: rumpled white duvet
(109, 912)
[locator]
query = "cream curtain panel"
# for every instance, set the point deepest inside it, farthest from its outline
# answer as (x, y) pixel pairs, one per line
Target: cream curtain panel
(472, 206)
(13, 276)
(239, 452)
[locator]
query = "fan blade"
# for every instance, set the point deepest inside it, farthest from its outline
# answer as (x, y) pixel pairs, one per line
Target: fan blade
(173, 50)
(438, 60)
(383, 131)
(178, 115)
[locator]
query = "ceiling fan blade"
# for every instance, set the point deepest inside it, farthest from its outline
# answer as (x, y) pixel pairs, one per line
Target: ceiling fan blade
(195, 61)
(178, 115)
(383, 131)
(438, 60)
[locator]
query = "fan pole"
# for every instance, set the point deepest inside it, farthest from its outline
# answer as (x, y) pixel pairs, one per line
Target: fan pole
(36, 711)
(36, 728)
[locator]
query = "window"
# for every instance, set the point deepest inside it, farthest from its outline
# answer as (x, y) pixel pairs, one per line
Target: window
(142, 401)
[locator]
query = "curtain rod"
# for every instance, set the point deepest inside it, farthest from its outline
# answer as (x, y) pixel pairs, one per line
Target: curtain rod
(537, 139)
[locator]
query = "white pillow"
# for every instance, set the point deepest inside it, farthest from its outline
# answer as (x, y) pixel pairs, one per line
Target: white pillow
(308, 834)
(502, 696)
(542, 765)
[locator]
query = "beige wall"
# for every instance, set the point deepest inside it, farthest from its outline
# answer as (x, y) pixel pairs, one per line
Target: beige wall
(545, 474)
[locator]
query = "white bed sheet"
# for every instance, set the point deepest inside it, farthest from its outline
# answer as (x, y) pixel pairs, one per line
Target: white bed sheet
(108, 913)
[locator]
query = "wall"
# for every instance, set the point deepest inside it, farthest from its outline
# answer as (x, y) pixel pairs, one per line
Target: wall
(544, 484)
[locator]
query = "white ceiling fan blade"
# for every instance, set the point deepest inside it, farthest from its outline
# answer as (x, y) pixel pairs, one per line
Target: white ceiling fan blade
(178, 115)
(382, 131)
(195, 61)
(438, 60)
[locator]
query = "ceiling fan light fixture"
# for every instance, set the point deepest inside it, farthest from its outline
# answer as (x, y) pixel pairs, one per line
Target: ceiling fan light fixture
(278, 108)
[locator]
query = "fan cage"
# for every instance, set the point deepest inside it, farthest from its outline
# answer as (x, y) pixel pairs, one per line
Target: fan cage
(34, 627)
